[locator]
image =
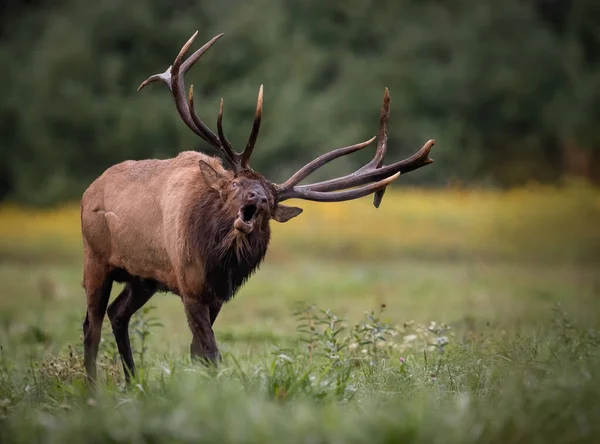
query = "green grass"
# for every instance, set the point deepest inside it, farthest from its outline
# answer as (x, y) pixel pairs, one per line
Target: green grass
(522, 390)
(520, 362)
(514, 370)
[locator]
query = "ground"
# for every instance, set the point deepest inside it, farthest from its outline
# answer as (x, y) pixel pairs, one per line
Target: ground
(470, 316)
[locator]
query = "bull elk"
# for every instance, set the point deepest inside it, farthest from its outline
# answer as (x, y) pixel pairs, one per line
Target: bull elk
(192, 227)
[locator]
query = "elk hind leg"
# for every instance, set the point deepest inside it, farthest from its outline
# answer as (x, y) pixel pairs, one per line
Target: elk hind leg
(97, 284)
(133, 297)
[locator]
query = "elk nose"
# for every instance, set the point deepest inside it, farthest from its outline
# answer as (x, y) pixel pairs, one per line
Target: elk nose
(255, 197)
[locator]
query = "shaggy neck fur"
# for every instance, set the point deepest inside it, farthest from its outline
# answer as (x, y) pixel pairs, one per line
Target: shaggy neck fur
(229, 257)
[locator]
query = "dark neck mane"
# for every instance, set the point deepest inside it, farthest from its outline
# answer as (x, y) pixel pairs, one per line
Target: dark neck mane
(229, 257)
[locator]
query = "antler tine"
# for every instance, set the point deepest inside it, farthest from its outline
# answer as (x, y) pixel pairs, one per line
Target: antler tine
(179, 59)
(199, 52)
(245, 157)
(382, 136)
(241, 160)
(372, 172)
(224, 142)
(164, 77)
(202, 128)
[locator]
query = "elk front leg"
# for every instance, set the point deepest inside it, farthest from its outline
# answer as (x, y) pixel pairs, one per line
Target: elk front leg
(204, 345)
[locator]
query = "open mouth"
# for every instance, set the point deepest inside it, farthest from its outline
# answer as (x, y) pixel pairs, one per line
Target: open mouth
(245, 219)
(248, 212)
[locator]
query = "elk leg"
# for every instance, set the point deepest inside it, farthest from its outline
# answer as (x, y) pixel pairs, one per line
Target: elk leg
(133, 297)
(97, 284)
(204, 345)
(214, 312)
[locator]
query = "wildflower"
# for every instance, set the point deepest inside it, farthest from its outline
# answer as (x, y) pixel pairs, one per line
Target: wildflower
(441, 340)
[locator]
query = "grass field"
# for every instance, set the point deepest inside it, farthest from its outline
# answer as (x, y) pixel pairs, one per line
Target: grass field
(490, 330)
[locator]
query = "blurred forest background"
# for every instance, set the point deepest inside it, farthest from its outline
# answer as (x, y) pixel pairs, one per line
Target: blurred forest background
(509, 89)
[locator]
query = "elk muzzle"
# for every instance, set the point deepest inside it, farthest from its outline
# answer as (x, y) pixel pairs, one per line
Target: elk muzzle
(255, 201)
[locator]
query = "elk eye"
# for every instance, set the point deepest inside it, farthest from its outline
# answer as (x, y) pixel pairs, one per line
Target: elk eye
(234, 185)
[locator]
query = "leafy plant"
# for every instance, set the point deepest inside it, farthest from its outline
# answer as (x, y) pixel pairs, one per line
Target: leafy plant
(142, 325)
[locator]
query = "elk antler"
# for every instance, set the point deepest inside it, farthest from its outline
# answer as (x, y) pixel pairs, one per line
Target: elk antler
(173, 77)
(374, 174)
(371, 178)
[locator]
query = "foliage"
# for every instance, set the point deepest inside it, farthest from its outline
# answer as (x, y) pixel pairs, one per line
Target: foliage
(510, 89)
(487, 387)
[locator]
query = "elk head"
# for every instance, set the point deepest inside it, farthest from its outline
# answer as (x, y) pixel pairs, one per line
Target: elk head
(250, 197)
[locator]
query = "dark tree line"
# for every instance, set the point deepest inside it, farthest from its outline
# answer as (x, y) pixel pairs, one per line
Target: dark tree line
(510, 89)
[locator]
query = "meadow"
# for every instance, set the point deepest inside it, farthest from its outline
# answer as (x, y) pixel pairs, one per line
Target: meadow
(456, 315)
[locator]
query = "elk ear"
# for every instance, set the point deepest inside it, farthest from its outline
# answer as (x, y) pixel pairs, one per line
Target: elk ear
(283, 213)
(212, 177)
